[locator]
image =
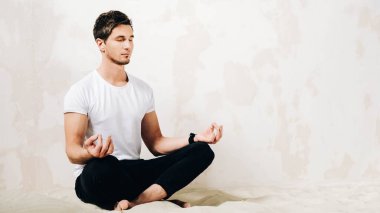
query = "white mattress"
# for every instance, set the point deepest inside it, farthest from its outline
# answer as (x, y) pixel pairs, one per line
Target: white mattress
(338, 197)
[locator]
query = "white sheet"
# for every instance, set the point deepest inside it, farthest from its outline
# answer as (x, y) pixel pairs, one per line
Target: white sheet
(338, 197)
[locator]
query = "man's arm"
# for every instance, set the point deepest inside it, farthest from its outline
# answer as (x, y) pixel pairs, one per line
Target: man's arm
(153, 139)
(160, 145)
(79, 151)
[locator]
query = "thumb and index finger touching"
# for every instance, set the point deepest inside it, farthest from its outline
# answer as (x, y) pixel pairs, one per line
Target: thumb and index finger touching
(217, 131)
(90, 141)
(100, 147)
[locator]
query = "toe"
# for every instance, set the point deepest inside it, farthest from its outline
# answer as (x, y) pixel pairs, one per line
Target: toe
(122, 205)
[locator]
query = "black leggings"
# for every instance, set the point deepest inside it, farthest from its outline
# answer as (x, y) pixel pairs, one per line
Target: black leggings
(105, 181)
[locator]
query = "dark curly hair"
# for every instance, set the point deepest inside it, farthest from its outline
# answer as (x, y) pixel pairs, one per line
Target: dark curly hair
(106, 22)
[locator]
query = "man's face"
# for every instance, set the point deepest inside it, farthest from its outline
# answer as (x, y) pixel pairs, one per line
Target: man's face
(119, 45)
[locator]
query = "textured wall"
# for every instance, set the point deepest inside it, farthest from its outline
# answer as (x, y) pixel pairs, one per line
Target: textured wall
(295, 83)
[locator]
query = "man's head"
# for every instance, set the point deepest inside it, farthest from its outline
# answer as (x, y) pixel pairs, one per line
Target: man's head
(113, 34)
(105, 23)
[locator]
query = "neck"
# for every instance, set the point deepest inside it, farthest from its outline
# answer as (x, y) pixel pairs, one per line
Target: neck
(113, 73)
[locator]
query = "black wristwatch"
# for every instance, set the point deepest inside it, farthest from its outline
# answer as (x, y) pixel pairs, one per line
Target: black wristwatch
(191, 138)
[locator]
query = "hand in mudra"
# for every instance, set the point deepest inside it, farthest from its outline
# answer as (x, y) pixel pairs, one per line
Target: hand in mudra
(100, 148)
(211, 135)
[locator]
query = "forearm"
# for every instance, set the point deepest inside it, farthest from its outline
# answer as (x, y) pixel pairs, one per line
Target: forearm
(166, 145)
(77, 154)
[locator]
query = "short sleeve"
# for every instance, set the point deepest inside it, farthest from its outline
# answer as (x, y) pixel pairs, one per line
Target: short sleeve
(75, 101)
(150, 106)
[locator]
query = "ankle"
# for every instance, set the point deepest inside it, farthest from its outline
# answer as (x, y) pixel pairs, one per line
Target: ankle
(132, 204)
(159, 190)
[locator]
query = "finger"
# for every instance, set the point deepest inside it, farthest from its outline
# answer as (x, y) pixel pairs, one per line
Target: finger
(110, 148)
(215, 125)
(99, 145)
(93, 138)
(212, 136)
(219, 133)
(105, 146)
(215, 131)
(90, 140)
(209, 130)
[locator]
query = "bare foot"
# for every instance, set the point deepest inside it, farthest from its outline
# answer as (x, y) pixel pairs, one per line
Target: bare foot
(180, 203)
(123, 205)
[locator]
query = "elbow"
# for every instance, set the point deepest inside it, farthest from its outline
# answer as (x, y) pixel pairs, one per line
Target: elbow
(155, 152)
(154, 147)
(72, 160)
(71, 157)
(75, 153)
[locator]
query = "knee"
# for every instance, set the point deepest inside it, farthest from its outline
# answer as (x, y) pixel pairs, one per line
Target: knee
(206, 151)
(102, 166)
(209, 153)
(107, 160)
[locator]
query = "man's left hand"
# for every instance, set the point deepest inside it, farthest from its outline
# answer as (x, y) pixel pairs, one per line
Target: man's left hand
(211, 135)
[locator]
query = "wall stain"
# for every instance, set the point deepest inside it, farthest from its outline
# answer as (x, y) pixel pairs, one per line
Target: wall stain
(370, 20)
(360, 50)
(186, 62)
(36, 173)
(28, 58)
(311, 87)
(293, 148)
(292, 134)
(340, 171)
(264, 60)
(367, 101)
(239, 87)
(372, 171)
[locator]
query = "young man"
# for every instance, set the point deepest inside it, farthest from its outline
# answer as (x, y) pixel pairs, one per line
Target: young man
(107, 113)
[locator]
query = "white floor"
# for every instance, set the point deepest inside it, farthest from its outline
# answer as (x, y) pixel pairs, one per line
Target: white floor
(332, 197)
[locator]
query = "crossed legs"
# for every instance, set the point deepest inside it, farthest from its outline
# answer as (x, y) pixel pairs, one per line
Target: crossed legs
(110, 183)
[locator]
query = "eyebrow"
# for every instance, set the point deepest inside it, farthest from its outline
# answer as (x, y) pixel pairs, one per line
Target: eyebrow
(122, 36)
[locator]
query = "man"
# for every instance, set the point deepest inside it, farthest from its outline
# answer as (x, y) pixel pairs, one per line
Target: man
(107, 113)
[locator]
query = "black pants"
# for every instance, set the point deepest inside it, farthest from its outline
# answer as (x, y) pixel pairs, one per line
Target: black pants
(105, 181)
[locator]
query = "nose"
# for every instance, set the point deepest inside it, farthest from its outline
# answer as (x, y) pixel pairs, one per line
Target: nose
(126, 44)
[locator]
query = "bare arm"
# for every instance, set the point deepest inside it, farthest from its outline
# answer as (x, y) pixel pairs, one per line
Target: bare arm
(77, 150)
(160, 145)
(152, 136)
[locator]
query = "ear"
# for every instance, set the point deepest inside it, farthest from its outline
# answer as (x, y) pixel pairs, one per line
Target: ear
(101, 44)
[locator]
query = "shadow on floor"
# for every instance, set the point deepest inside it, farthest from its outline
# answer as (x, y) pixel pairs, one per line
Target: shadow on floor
(206, 197)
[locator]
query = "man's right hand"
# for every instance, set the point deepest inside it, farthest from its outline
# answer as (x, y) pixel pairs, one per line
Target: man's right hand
(98, 149)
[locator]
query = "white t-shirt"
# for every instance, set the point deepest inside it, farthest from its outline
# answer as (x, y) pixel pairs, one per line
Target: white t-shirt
(112, 110)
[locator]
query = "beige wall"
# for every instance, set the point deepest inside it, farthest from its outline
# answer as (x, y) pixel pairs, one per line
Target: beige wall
(295, 83)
